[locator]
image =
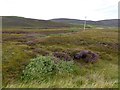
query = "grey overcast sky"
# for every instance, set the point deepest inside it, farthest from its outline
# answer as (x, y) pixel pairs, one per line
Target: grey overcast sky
(49, 9)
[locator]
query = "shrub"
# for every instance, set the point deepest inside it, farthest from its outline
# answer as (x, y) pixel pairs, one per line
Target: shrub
(39, 68)
(62, 56)
(43, 68)
(87, 56)
(67, 67)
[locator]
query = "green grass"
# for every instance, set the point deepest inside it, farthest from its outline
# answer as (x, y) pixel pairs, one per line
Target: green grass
(88, 77)
(17, 54)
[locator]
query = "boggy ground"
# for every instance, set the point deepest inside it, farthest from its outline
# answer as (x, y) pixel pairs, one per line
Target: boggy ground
(21, 45)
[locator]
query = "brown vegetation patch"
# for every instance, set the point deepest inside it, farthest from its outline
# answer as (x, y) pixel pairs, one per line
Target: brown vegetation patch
(62, 56)
(87, 56)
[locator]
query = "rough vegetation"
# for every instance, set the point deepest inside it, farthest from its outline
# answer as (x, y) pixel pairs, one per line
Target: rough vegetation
(44, 68)
(29, 52)
(62, 56)
(87, 56)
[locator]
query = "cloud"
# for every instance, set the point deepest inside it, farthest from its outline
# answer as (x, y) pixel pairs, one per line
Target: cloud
(48, 9)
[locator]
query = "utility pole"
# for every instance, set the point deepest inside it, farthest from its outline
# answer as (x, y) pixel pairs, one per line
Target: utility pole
(85, 23)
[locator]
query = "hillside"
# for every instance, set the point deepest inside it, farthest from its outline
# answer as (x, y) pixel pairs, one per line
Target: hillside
(21, 22)
(109, 22)
(14, 21)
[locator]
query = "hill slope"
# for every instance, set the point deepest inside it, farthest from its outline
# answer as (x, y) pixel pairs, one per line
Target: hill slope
(13, 21)
(109, 22)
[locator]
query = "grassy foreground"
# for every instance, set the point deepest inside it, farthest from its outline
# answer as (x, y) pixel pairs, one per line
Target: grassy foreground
(20, 47)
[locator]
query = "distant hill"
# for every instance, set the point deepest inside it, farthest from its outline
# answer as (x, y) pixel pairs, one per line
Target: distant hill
(109, 22)
(14, 21)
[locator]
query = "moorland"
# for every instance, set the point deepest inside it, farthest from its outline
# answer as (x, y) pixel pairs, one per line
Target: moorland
(28, 61)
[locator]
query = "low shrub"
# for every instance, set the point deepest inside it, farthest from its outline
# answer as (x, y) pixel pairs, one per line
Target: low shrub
(87, 56)
(39, 68)
(43, 68)
(62, 56)
(67, 67)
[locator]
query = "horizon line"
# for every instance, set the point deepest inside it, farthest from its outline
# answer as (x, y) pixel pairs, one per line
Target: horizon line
(59, 18)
